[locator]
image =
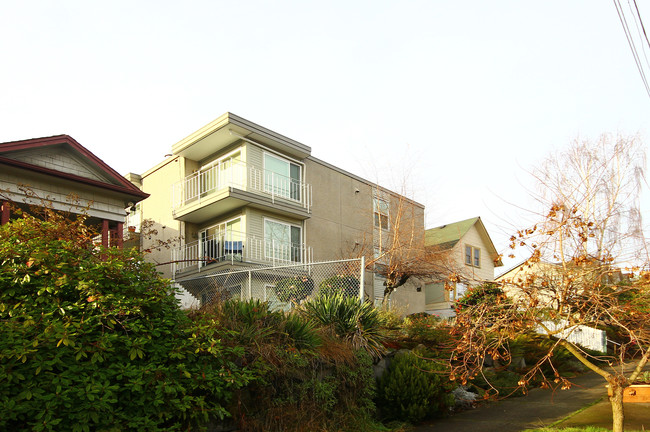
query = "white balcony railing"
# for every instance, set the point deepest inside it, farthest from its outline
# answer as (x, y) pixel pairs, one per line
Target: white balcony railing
(233, 246)
(202, 184)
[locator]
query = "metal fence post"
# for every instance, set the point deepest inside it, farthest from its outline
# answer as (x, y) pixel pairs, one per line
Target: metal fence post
(362, 278)
(250, 285)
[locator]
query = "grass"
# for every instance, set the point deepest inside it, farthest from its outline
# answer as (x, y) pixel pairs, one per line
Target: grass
(573, 429)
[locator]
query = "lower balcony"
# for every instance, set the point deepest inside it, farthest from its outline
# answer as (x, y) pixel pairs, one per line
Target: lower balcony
(230, 248)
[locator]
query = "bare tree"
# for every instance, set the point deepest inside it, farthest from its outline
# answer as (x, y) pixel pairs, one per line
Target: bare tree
(398, 249)
(573, 278)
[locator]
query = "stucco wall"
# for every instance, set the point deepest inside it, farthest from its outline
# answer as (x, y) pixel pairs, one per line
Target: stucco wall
(341, 219)
(157, 182)
(407, 300)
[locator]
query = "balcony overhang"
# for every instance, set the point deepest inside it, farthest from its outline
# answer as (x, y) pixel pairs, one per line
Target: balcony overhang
(230, 199)
(229, 128)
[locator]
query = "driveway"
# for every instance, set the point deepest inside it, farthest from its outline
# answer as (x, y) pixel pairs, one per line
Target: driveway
(542, 408)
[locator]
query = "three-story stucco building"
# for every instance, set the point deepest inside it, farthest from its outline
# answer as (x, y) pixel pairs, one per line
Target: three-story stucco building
(236, 194)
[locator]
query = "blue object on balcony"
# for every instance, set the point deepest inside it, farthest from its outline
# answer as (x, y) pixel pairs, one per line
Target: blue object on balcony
(233, 247)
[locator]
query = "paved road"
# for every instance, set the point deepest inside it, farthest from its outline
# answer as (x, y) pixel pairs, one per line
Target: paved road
(543, 407)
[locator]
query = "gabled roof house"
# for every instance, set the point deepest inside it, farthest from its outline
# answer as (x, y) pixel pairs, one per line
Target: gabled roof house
(60, 172)
(472, 256)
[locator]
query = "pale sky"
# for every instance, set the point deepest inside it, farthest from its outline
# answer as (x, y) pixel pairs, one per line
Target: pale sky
(457, 100)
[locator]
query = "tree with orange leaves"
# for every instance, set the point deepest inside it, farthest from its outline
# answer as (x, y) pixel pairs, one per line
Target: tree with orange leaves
(576, 276)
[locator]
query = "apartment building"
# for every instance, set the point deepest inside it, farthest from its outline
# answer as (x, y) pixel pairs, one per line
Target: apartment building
(235, 194)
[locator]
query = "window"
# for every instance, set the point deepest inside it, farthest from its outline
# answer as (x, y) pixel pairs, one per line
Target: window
(281, 177)
(222, 241)
(380, 209)
(282, 241)
(133, 218)
(224, 171)
(472, 256)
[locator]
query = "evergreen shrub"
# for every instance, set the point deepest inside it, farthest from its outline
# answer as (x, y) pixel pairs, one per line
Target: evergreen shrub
(92, 339)
(414, 388)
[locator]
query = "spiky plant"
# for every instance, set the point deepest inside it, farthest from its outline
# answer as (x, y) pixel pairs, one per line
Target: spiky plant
(358, 322)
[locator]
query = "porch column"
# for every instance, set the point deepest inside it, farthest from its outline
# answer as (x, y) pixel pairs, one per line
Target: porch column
(119, 235)
(5, 212)
(105, 233)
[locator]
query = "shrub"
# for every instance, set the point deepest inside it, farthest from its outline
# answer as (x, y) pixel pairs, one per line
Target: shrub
(305, 391)
(93, 339)
(424, 327)
(486, 293)
(294, 289)
(414, 388)
(350, 319)
(345, 285)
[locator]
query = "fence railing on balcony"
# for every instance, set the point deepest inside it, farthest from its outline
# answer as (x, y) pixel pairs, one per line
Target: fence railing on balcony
(203, 183)
(233, 246)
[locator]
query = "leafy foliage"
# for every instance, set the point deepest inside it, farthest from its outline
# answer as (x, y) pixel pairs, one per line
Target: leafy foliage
(305, 391)
(294, 289)
(488, 293)
(344, 285)
(414, 388)
(425, 327)
(93, 339)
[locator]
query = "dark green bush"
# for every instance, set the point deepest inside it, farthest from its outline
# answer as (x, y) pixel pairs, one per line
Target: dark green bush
(93, 339)
(425, 327)
(487, 293)
(414, 388)
(344, 285)
(306, 391)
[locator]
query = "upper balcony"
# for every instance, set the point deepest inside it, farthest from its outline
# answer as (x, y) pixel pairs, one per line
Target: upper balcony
(226, 186)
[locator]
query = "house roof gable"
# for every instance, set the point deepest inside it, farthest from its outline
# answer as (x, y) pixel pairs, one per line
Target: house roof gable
(78, 163)
(447, 236)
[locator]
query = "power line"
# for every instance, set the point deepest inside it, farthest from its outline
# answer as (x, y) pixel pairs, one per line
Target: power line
(639, 23)
(630, 41)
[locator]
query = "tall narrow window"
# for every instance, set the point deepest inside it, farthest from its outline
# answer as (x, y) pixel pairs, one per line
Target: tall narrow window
(380, 209)
(281, 177)
(472, 256)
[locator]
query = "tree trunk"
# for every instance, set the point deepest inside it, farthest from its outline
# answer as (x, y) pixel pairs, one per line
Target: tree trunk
(387, 292)
(616, 399)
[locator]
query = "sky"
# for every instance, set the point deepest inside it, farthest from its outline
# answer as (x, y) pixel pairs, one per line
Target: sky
(451, 102)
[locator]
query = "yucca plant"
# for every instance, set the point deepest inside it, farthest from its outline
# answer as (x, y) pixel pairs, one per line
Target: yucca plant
(251, 320)
(302, 331)
(358, 322)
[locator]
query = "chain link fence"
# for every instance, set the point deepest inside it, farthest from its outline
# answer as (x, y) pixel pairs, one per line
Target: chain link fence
(282, 287)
